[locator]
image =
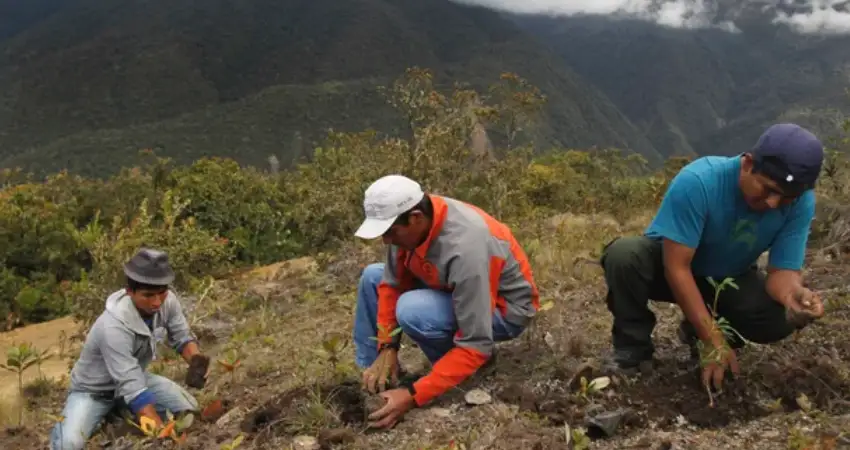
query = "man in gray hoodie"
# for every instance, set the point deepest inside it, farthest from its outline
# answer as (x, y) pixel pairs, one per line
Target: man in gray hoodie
(111, 370)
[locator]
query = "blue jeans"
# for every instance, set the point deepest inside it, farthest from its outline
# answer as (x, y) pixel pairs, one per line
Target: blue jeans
(425, 315)
(85, 410)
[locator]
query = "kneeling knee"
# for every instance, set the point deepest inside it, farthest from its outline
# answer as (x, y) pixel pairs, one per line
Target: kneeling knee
(372, 273)
(408, 310)
(623, 253)
(64, 439)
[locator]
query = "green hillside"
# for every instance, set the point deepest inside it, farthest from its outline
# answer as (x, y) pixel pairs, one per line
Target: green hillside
(232, 78)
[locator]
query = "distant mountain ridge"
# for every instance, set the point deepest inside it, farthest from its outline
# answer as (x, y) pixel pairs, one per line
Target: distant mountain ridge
(87, 83)
(93, 81)
(707, 91)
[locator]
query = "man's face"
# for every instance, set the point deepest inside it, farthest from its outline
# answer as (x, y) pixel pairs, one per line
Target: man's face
(148, 301)
(410, 235)
(761, 192)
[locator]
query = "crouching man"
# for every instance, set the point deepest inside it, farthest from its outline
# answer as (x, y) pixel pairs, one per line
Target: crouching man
(718, 215)
(111, 370)
(455, 281)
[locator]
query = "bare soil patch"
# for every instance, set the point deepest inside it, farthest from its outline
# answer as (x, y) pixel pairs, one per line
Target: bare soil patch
(306, 409)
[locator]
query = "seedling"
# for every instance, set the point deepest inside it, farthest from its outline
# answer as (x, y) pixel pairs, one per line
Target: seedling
(231, 364)
(18, 359)
(586, 390)
(172, 428)
(332, 347)
(383, 335)
(715, 355)
(576, 439)
(233, 444)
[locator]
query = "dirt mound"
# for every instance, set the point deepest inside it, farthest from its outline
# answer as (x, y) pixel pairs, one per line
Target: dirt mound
(819, 378)
(673, 395)
(310, 410)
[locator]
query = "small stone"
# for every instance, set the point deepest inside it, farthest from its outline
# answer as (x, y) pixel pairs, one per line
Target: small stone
(607, 422)
(229, 417)
(330, 437)
(374, 403)
(442, 413)
(305, 443)
(770, 434)
(477, 397)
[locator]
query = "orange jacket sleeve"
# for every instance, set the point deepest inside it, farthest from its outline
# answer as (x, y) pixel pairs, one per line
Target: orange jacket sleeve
(396, 280)
(387, 300)
(454, 367)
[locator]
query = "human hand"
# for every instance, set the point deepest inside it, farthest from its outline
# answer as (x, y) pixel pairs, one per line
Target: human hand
(802, 307)
(385, 366)
(719, 358)
(809, 303)
(398, 402)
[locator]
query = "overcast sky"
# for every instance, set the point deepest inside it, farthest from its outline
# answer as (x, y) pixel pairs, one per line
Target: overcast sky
(679, 13)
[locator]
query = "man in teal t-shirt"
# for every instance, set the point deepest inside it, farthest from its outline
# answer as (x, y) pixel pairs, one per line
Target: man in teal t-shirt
(718, 216)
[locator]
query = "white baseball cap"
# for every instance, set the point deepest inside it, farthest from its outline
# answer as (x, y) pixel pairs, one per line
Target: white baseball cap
(385, 200)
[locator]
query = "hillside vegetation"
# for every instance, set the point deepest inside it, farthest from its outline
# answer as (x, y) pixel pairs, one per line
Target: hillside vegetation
(287, 322)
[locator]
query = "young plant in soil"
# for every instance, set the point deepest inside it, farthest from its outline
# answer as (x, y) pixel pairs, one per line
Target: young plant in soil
(332, 348)
(171, 429)
(382, 331)
(232, 445)
(18, 359)
(589, 389)
(715, 355)
(577, 438)
(230, 364)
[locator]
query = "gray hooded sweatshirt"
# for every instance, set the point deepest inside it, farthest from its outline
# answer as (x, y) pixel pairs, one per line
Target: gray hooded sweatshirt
(119, 346)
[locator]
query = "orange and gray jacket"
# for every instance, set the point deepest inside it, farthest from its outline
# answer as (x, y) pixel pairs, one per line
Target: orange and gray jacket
(478, 260)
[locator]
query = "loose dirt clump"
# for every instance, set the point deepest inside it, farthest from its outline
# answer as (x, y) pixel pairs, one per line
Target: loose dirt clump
(311, 410)
(672, 397)
(818, 378)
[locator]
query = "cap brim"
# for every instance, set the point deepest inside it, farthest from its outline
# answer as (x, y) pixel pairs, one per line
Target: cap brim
(373, 228)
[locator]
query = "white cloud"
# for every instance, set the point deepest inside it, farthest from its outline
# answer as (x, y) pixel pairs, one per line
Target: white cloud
(821, 20)
(816, 16)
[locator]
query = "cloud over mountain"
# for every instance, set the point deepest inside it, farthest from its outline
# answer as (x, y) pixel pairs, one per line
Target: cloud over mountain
(804, 16)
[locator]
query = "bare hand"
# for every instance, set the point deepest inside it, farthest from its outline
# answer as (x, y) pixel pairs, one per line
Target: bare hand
(385, 366)
(720, 358)
(399, 401)
(808, 303)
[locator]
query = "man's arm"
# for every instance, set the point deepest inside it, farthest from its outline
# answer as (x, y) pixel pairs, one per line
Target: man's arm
(180, 337)
(680, 221)
(473, 304)
(116, 346)
(788, 251)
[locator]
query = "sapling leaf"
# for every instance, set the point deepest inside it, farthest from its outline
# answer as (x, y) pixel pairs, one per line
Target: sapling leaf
(185, 422)
(599, 383)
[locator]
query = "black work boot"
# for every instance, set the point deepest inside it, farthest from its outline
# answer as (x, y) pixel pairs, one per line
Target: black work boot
(628, 362)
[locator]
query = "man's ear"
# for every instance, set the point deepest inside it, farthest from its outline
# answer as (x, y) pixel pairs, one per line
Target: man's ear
(747, 163)
(416, 217)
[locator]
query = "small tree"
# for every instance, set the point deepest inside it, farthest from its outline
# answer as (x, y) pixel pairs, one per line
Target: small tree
(18, 359)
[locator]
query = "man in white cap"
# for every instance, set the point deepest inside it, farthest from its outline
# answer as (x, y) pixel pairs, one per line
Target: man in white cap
(122, 342)
(455, 281)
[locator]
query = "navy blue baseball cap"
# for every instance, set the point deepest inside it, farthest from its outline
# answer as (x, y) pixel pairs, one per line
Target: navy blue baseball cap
(790, 155)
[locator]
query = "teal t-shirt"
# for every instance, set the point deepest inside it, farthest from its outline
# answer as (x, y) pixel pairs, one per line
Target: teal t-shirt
(705, 209)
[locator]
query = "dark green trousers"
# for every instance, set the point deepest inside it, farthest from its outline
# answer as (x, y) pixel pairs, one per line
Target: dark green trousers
(634, 273)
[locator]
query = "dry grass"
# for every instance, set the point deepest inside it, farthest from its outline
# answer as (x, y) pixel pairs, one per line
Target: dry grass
(276, 318)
